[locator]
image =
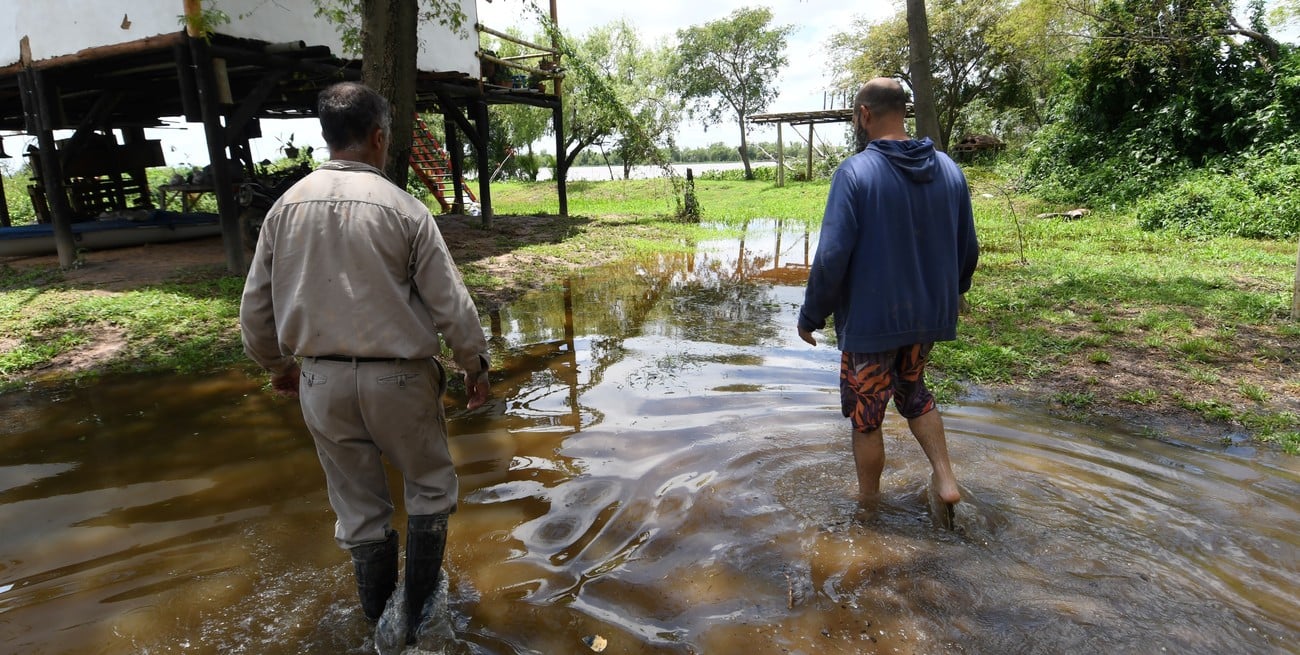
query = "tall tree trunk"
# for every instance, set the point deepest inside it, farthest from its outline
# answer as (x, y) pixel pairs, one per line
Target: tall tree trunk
(918, 68)
(744, 151)
(388, 50)
(1295, 294)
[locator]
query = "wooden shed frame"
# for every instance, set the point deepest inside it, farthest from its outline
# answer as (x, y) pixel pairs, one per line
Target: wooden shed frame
(228, 83)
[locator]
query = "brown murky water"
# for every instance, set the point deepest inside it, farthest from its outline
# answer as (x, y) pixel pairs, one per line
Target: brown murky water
(663, 465)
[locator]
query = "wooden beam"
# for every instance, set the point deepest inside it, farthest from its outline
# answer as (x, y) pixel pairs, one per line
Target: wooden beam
(484, 168)
(147, 44)
(188, 87)
(514, 39)
(252, 102)
(780, 157)
(561, 169)
(457, 157)
(223, 185)
(52, 171)
(810, 151)
(451, 109)
(94, 118)
(549, 74)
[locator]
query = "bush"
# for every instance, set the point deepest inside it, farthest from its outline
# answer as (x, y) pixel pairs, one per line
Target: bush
(1254, 197)
(21, 211)
(765, 173)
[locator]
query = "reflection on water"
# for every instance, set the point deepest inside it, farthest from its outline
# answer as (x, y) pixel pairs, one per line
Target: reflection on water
(663, 465)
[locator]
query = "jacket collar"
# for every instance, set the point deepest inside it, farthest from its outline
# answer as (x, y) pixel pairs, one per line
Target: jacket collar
(349, 165)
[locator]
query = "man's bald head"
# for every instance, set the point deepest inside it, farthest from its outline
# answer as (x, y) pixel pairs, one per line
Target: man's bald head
(883, 96)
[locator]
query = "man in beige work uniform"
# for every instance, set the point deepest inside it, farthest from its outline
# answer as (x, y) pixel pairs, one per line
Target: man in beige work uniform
(351, 275)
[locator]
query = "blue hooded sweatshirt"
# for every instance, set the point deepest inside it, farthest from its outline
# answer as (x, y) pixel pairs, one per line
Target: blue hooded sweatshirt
(897, 249)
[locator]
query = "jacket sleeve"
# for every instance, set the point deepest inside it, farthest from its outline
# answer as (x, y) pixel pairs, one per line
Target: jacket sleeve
(257, 309)
(830, 265)
(968, 247)
(439, 284)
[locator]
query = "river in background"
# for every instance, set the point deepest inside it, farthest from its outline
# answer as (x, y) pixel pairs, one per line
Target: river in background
(663, 464)
(615, 172)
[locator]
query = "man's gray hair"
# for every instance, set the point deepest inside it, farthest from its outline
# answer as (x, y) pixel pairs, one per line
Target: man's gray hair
(349, 112)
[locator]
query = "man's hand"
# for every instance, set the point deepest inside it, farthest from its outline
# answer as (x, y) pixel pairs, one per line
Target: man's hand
(286, 383)
(807, 336)
(476, 386)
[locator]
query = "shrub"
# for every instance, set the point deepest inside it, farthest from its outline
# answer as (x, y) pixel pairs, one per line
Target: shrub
(1254, 197)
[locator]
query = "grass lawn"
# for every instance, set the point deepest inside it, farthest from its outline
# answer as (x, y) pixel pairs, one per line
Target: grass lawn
(1092, 315)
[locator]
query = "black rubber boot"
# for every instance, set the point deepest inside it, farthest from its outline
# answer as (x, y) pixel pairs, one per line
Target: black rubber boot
(375, 564)
(426, 541)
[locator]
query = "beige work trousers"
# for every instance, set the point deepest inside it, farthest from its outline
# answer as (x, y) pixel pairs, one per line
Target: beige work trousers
(362, 412)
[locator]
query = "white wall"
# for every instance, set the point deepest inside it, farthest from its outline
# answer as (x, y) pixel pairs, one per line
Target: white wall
(62, 27)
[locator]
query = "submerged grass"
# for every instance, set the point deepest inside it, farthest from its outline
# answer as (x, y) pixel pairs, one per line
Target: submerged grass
(1099, 314)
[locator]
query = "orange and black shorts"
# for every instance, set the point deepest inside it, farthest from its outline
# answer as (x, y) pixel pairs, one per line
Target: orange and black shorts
(868, 380)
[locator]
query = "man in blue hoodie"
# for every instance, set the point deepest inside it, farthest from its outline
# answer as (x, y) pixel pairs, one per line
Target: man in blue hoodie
(897, 252)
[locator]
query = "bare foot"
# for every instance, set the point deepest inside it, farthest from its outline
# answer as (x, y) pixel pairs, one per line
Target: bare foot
(869, 502)
(941, 511)
(946, 488)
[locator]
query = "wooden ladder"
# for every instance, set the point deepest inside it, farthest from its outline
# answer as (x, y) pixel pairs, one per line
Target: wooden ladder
(432, 165)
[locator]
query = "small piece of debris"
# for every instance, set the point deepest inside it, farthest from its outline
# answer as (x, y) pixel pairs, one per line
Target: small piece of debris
(596, 643)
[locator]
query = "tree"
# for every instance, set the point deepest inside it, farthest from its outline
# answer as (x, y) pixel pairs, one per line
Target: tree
(918, 71)
(385, 32)
(591, 111)
(730, 65)
(515, 126)
(617, 97)
(640, 77)
(970, 58)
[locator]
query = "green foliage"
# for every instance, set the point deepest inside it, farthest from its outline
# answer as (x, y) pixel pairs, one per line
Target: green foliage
(1162, 89)
(206, 22)
(991, 61)
(346, 16)
(1253, 197)
(729, 66)
(761, 173)
(21, 211)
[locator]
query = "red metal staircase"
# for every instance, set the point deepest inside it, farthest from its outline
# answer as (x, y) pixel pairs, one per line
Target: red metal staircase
(431, 164)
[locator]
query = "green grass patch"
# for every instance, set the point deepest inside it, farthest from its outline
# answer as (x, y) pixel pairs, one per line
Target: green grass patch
(1075, 400)
(1141, 396)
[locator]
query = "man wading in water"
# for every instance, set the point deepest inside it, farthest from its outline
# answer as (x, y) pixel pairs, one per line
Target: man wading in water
(897, 251)
(352, 276)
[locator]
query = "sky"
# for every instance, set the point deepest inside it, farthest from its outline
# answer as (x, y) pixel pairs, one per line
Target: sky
(802, 83)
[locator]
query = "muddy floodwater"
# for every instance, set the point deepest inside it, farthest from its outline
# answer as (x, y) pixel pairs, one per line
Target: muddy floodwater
(663, 465)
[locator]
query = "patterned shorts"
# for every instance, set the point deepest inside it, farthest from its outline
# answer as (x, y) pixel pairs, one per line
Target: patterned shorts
(868, 380)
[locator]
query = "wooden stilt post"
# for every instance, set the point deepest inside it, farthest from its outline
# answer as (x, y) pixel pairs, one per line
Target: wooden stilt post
(223, 184)
(561, 168)
(810, 150)
(457, 157)
(780, 157)
(484, 166)
(4, 205)
(56, 196)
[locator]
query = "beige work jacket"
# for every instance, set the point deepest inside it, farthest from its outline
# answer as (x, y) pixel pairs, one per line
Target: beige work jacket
(347, 264)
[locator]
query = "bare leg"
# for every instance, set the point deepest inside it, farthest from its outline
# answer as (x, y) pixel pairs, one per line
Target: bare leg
(928, 430)
(869, 456)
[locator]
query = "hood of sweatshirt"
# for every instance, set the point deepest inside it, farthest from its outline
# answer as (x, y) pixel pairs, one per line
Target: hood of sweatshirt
(912, 158)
